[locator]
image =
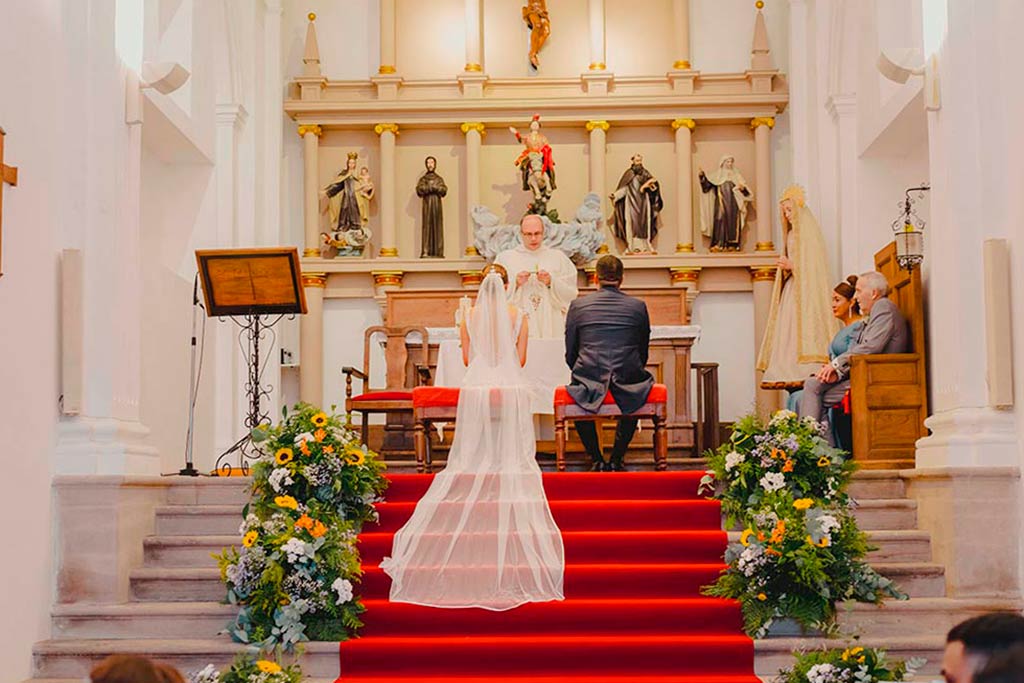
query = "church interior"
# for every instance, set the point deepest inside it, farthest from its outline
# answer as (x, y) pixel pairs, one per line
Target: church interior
(380, 154)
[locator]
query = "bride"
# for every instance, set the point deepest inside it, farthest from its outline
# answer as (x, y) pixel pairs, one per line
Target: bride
(483, 535)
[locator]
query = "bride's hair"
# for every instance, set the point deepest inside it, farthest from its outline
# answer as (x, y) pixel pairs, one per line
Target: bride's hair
(495, 268)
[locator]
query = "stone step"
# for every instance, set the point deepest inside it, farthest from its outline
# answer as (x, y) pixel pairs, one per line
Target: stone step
(73, 658)
(893, 545)
(886, 513)
(896, 618)
(184, 551)
(916, 579)
(773, 654)
(142, 620)
(877, 484)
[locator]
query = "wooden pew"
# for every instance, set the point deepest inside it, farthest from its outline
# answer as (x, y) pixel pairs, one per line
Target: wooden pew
(888, 392)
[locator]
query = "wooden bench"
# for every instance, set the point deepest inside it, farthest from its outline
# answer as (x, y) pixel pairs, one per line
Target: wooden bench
(655, 409)
(889, 392)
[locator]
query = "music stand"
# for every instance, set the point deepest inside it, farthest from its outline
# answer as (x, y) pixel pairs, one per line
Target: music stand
(254, 288)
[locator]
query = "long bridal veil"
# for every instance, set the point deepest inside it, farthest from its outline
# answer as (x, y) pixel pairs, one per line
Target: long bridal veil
(483, 535)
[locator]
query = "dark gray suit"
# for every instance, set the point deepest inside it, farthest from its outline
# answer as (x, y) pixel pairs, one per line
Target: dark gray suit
(607, 334)
(884, 332)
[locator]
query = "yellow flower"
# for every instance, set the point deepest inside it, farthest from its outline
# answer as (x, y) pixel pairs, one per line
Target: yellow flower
(810, 541)
(745, 536)
(268, 667)
(803, 503)
(320, 419)
(284, 456)
(762, 597)
(824, 542)
(249, 540)
(823, 461)
(286, 502)
(354, 456)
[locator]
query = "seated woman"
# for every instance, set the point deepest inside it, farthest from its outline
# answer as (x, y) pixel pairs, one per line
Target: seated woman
(845, 308)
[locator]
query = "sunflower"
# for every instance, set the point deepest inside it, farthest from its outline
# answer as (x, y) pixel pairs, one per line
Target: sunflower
(320, 419)
(286, 502)
(249, 540)
(745, 536)
(824, 461)
(284, 456)
(268, 667)
(355, 456)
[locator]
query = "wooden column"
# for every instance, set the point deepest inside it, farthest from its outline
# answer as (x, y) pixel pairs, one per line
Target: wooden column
(311, 340)
(763, 277)
(387, 37)
(310, 135)
(474, 136)
(597, 56)
(387, 197)
(762, 126)
(684, 184)
(474, 33)
(681, 26)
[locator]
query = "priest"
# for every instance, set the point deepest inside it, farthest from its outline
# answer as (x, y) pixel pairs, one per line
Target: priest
(542, 280)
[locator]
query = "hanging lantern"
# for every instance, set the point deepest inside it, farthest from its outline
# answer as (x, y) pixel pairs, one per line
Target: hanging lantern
(908, 230)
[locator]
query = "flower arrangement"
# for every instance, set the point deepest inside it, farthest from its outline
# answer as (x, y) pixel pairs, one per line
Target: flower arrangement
(852, 665)
(248, 669)
(293, 577)
(800, 550)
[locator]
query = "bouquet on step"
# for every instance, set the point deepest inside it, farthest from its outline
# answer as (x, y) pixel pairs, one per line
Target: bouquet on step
(800, 550)
(247, 668)
(294, 576)
(852, 665)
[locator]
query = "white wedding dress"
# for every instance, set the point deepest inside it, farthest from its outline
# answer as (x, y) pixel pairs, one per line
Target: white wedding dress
(483, 535)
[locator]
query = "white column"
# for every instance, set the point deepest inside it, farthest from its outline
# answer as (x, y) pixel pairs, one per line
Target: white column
(311, 340)
(681, 26)
(310, 135)
(474, 36)
(598, 140)
(843, 109)
(801, 104)
(597, 57)
(387, 37)
(767, 401)
(762, 126)
(474, 134)
(387, 194)
(684, 184)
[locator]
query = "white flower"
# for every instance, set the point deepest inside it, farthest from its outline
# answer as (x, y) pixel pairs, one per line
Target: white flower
(250, 521)
(773, 481)
(297, 550)
(780, 416)
(733, 459)
(207, 675)
(828, 523)
(822, 673)
(750, 560)
(280, 478)
(304, 436)
(343, 587)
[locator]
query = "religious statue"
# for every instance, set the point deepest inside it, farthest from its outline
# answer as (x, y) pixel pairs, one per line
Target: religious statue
(431, 189)
(800, 321)
(347, 201)
(535, 14)
(637, 203)
(723, 205)
(536, 167)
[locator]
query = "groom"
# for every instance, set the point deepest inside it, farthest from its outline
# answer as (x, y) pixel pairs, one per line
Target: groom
(606, 338)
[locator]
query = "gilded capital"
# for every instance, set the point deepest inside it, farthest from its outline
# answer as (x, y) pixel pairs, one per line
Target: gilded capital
(597, 66)
(386, 69)
(473, 67)
(471, 278)
(388, 252)
(684, 123)
(603, 125)
(762, 273)
(380, 128)
(314, 279)
(765, 246)
(681, 65)
(387, 278)
(473, 125)
(312, 128)
(762, 121)
(679, 274)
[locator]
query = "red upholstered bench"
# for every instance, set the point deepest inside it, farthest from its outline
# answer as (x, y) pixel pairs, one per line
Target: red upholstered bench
(656, 408)
(430, 404)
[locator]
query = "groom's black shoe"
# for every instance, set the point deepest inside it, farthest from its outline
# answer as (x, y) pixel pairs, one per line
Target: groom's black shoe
(598, 466)
(617, 466)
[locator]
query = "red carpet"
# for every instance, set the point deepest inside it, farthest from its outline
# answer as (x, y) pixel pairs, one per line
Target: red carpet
(638, 547)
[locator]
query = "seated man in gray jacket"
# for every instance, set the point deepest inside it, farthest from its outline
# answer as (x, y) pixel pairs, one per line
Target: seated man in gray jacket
(884, 332)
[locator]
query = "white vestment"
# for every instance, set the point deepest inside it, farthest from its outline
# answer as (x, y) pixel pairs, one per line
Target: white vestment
(544, 305)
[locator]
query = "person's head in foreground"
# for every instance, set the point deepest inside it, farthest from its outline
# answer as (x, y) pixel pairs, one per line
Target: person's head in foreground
(1004, 667)
(133, 669)
(609, 271)
(972, 644)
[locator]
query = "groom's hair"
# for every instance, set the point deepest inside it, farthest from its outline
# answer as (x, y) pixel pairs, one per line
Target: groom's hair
(609, 269)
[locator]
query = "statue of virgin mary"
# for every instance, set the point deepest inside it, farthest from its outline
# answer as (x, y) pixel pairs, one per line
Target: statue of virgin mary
(800, 321)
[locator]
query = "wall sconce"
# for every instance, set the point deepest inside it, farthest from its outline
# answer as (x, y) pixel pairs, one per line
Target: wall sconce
(908, 230)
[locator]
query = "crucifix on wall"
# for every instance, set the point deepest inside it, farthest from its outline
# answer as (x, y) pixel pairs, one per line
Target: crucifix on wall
(9, 176)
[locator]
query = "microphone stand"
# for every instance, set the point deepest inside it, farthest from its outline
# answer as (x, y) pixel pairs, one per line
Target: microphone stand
(189, 470)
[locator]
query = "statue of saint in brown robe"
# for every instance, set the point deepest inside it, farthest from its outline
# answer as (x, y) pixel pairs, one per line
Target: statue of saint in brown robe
(431, 189)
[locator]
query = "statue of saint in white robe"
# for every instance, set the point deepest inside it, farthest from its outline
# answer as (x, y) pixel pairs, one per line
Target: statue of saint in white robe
(545, 305)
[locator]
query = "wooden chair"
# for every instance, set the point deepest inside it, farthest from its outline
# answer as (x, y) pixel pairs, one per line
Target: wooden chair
(396, 395)
(656, 409)
(429, 405)
(708, 424)
(889, 392)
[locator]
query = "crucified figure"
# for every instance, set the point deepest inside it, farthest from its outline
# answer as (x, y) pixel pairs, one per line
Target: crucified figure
(535, 14)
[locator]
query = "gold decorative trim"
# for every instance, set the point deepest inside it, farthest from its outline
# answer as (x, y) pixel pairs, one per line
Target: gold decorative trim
(314, 279)
(386, 69)
(474, 67)
(762, 121)
(471, 278)
(681, 123)
(473, 125)
(603, 249)
(680, 274)
(313, 128)
(471, 251)
(759, 4)
(603, 125)
(762, 273)
(597, 66)
(385, 278)
(380, 128)
(310, 252)
(684, 248)
(311, 16)
(681, 65)
(591, 275)
(388, 252)
(765, 246)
